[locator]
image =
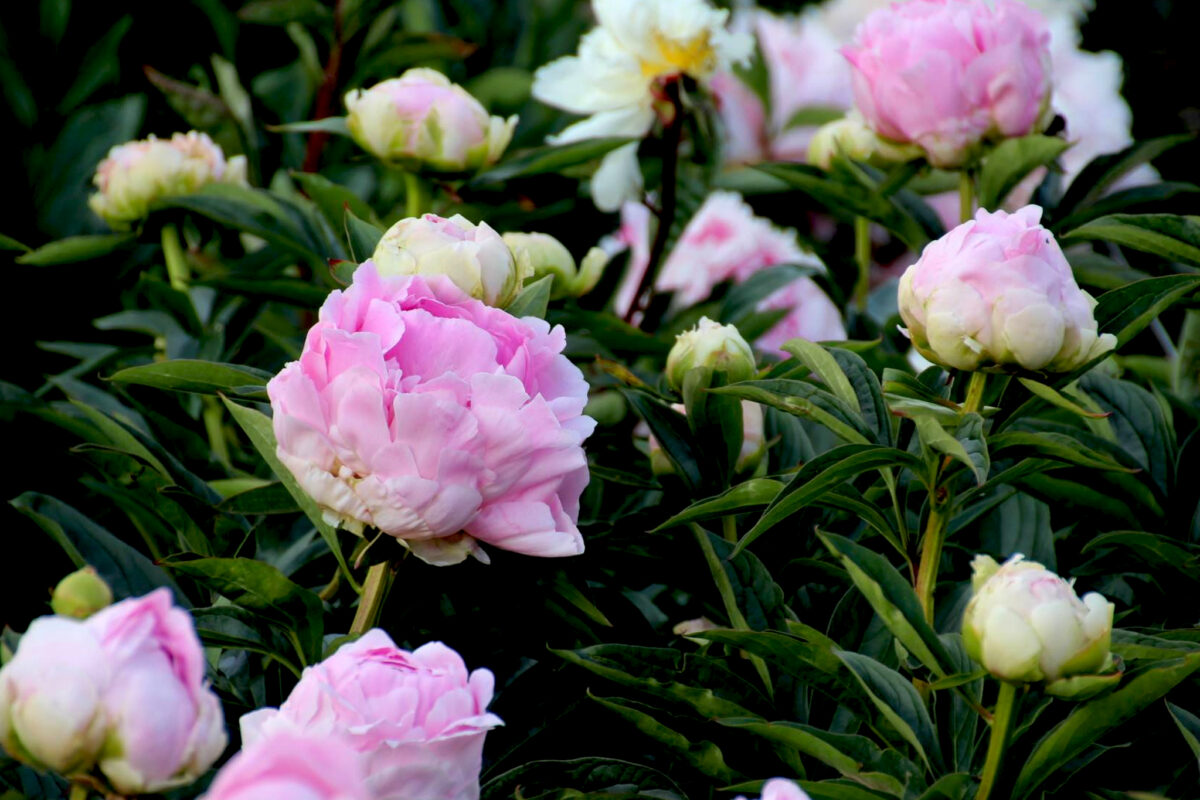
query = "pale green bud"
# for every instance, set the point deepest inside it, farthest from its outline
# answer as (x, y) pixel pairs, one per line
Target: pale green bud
(81, 594)
(713, 345)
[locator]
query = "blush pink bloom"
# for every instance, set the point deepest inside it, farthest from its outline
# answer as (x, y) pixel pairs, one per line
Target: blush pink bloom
(124, 689)
(725, 241)
(743, 118)
(417, 720)
(436, 419)
(292, 767)
(166, 725)
(997, 291)
(781, 789)
(946, 74)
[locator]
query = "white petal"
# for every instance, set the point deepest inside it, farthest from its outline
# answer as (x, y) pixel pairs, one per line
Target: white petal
(618, 179)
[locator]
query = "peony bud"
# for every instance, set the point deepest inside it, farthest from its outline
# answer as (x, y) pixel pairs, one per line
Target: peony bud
(81, 594)
(137, 174)
(473, 256)
(850, 137)
(51, 697)
(539, 254)
(948, 74)
(998, 291)
(421, 118)
(166, 725)
(292, 767)
(1026, 624)
(417, 720)
(710, 344)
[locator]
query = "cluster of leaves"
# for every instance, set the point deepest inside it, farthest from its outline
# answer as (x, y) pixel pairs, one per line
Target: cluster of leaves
(156, 462)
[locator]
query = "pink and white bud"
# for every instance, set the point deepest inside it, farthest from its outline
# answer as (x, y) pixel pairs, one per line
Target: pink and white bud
(421, 118)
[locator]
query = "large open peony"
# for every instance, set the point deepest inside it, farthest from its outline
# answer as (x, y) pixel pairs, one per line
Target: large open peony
(436, 419)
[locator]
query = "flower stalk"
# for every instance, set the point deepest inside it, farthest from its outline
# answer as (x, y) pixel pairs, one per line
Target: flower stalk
(862, 257)
(375, 591)
(177, 268)
(998, 739)
(966, 196)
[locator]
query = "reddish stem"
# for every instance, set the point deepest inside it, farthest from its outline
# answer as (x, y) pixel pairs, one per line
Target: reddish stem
(325, 94)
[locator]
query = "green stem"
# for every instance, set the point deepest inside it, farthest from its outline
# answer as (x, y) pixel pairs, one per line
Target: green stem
(998, 739)
(966, 196)
(375, 590)
(862, 257)
(975, 388)
(729, 528)
(214, 426)
(725, 589)
(931, 556)
(413, 202)
(177, 268)
(78, 792)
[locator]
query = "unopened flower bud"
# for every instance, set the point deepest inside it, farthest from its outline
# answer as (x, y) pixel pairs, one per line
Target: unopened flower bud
(473, 256)
(423, 119)
(1026, 624)
(135, 175)
(539, 254)
(81, 594)
(710, 344)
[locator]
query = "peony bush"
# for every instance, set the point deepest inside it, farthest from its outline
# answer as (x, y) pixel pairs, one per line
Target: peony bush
(614, 400)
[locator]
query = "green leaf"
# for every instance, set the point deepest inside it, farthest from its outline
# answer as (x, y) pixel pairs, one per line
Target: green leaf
(1054, 398)
(236, 628)
(1126, 311)
(1126, 201)
(551, 158)
(753, 493)
(9, 243)
(101, 65)
(1093, 719)
(533, 299)
(76, 248)
(822, 474)
(1010, 161)
(759, 598)
(935, 437)
(274, 498)
(715, 420)
(261, 434)
(1172, 237)
(893, 600)
(741, 301)
(334, 125)
(1138, 422)
(362, 236)
(332, 198)
(706, 685)
(825, 367)
(127, 572)
(852, 199)
(813, 115)
(262, 588)
(1156, 552)
(1055, 446)
(1094, 180)
(856, 758)
(607, 778)
(804, 400)
(704, 756)
(284, 12)
(898, 702)
(198, 377)
(1189, 727)
(670, 429)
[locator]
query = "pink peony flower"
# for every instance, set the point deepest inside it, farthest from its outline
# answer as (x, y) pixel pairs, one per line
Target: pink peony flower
(997, 290)
(946, 74)
(417, 720)
(166, 725)
(292, 767)
(437, 419)
(725, 241)
(124, 689)
(743, 118)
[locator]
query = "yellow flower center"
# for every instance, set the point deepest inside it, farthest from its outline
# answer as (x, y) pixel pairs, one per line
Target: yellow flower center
(693, 56)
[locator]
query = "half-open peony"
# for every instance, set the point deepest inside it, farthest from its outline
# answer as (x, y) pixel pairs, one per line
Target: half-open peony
(292, 767)
(417, 720)
(948, 74)
(124, 689)
(998, 291)
(436, 419)
(421, 118)
(1026, 624)
(135, 175)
